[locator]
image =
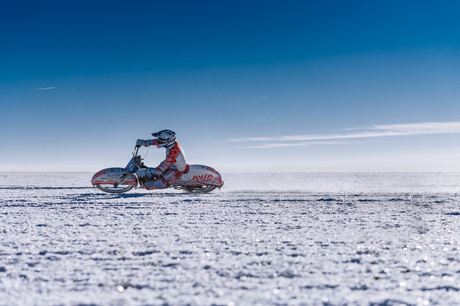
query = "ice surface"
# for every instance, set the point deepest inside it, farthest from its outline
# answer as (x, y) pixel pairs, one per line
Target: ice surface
(272, 239)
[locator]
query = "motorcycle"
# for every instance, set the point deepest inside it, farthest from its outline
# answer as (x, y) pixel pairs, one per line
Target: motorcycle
(195, 179)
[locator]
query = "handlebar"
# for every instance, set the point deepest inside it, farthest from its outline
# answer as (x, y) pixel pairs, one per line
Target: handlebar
(136, 152)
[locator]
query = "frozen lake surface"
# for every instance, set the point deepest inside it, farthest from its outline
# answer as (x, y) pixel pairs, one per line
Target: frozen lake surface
(289, 239)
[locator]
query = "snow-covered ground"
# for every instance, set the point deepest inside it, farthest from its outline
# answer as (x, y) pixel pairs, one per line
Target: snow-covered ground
(272, 239)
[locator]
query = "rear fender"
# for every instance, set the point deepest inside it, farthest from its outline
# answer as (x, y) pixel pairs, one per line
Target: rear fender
(110, 176)
(199, 175)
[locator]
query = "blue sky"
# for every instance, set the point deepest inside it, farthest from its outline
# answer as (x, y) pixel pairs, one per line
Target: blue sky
(269, 86)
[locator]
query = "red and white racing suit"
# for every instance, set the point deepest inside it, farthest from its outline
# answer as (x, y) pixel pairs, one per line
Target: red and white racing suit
(171, 168)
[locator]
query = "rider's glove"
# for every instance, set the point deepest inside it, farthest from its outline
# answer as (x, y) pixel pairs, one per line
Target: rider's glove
(142, 142)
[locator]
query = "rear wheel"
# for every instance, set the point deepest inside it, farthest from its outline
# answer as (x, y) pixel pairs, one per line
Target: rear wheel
(200, 189)
(113, 189)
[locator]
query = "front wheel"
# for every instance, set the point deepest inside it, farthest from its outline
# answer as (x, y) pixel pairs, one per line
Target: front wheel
(113, 189)
(200, 189)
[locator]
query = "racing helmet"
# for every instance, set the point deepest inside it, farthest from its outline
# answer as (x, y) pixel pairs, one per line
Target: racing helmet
(164, 138)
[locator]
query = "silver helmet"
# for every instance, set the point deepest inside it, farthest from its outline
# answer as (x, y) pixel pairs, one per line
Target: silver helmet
(164, 138)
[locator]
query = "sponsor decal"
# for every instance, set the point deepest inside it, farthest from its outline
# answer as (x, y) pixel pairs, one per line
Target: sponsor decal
(99, 174)
(202, 177)
(212, 170)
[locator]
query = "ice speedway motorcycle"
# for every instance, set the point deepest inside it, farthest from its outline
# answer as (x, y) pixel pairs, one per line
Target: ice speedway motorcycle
(196, 178)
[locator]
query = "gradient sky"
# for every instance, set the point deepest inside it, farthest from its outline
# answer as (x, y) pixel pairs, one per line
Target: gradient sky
(269, 86)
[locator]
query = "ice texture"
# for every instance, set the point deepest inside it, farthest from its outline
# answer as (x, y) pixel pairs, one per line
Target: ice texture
(263, 239)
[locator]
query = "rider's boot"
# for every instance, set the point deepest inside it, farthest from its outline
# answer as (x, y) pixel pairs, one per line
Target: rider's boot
(146, 177)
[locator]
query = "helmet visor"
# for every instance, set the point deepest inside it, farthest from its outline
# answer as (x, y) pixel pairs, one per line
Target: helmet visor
(160, 141)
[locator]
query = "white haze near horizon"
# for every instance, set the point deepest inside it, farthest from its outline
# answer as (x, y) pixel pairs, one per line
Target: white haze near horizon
(413, 147)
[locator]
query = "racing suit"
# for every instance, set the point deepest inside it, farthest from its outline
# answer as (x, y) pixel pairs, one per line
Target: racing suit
(170, 169)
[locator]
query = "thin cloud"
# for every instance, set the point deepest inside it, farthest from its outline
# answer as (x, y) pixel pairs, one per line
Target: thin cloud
(297, 144)
(45, 88)
(387, 130)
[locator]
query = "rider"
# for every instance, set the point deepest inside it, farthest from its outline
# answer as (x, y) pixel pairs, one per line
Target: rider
(172, 167)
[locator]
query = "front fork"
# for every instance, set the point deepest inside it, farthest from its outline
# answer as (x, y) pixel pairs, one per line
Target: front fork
(121, 180)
